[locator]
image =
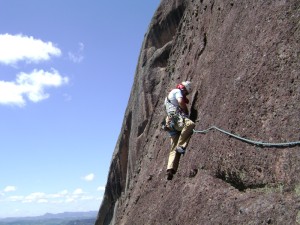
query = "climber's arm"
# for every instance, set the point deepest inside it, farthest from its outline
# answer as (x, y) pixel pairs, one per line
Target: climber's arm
(183, 106)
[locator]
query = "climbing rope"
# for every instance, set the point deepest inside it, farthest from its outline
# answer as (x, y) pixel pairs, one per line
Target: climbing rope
(259, 143)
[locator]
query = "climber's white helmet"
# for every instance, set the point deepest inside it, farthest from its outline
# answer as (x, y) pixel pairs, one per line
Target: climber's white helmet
(187, 85)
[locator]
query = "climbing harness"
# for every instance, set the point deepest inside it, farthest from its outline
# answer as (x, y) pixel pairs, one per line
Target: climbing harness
(258, 143)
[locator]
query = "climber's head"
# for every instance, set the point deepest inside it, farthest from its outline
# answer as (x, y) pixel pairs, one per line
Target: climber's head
(185, 86)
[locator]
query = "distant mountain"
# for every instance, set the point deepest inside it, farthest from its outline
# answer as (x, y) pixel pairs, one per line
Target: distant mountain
(82, 222)
(51, 222)
(66, 218)
(70, 215)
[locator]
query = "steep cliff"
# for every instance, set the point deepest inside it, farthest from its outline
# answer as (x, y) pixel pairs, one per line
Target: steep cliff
(243, 58)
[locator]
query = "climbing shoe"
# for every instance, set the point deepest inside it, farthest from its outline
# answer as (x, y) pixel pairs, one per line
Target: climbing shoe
(180, 150)
(170, 174)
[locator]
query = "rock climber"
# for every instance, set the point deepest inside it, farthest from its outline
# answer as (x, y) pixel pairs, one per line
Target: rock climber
(178, 124)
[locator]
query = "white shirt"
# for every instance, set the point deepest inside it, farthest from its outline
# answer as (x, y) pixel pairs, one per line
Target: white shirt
(174, 95)
(171, 101)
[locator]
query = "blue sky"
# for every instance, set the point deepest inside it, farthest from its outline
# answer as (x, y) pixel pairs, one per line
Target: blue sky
(66, 71)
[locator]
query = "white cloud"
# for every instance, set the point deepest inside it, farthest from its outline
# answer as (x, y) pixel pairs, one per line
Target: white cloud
(14, 48)
(27, 86)
(10, 189)
(42, 201)
(62, 198)
(31, 85)
(61, 194)
(78, 56)
(34, 197)
(101, 188)
(51, 196)
(64, 192)
(89, 177)
(15, 198)
(68, 200)
(78, 191)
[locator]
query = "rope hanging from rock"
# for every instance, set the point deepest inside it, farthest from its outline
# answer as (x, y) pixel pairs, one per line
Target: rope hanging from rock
(259, 143)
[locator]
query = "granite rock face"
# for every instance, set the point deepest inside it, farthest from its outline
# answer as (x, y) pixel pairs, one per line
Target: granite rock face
(243, 58)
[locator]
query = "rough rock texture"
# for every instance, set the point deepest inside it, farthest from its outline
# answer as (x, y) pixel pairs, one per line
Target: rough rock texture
(243, 58)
